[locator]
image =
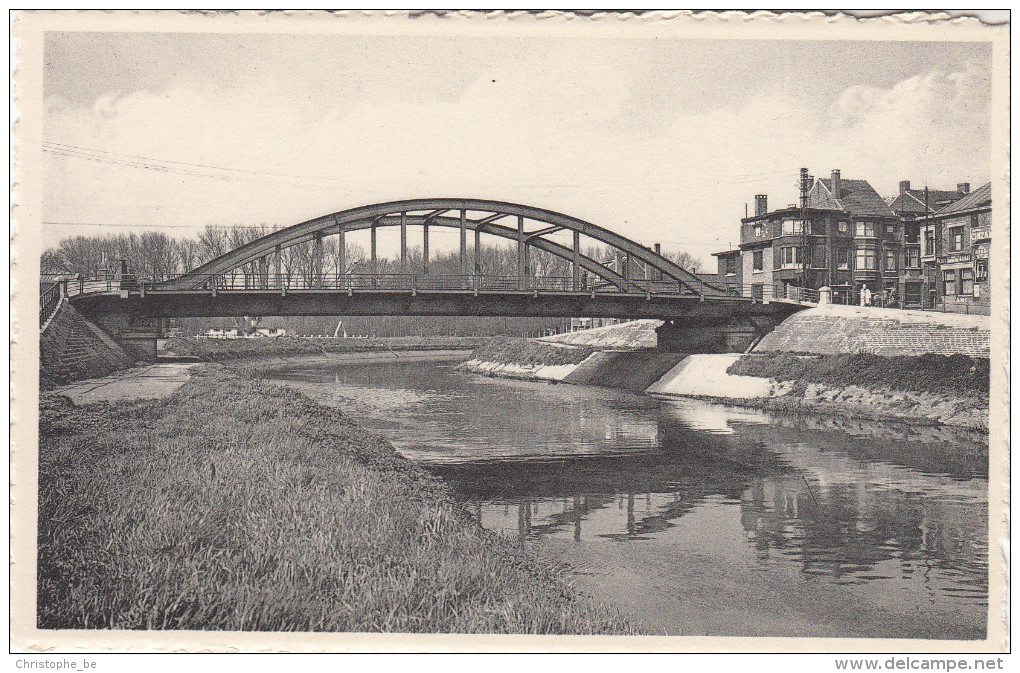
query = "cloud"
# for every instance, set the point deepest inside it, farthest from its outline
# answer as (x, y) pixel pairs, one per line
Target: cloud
(549, 132)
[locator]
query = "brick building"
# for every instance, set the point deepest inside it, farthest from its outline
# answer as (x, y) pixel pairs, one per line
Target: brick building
(844, 236)
(918, 275)
(957, 258)
(921, 249)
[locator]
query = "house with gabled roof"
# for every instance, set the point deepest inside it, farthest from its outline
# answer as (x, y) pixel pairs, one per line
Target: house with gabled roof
(875, 233)
(962, 233)
(918, 272)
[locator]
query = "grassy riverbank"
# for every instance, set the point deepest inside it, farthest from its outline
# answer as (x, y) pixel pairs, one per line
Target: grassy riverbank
(957, 374)
(240, 505)
(519, 351)
(218, 350)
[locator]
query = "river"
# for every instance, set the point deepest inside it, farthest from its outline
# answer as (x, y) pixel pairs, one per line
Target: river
(695, 518)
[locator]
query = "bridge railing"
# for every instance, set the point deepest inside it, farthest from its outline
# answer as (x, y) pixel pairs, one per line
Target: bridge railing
(779, 292)
(413, 281)
(49, 299)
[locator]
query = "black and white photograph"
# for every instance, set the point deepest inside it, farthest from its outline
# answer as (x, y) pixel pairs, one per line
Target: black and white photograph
(358, 330)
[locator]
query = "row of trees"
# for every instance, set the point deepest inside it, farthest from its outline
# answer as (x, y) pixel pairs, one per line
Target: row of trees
(157, 256)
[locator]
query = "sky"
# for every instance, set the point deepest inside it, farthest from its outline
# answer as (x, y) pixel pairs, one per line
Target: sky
(659, 140)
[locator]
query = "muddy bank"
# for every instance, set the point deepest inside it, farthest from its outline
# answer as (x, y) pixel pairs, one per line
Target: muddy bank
(219, 350)
(260, 365)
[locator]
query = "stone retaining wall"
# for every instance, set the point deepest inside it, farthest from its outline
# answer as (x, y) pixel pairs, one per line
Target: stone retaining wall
(72, 348)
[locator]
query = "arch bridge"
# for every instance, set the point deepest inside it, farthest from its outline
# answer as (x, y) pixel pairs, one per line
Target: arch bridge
(251, 280)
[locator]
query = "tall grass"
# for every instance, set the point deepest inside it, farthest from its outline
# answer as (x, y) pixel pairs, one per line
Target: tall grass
(241, 505)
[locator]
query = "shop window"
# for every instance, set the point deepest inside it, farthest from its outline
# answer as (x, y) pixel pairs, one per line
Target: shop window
(949, 282)
(967, 281)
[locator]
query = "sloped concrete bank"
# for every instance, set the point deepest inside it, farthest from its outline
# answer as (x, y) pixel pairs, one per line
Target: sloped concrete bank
(576, 363)
(709, 377)
(941, 398)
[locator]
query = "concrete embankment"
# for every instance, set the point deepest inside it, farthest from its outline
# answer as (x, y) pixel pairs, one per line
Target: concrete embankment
(708, 376)
(910, 366)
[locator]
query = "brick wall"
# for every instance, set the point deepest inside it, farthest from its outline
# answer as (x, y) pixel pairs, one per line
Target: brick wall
(826, 332)
(72, 348)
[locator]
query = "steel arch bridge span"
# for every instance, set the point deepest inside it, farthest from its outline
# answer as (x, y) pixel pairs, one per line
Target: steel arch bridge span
(452, 213)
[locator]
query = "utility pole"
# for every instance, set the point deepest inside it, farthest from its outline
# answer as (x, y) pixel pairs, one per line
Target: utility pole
(805, 251)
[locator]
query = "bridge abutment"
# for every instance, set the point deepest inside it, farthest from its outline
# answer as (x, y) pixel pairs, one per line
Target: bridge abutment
(699, 335)
(136, 334)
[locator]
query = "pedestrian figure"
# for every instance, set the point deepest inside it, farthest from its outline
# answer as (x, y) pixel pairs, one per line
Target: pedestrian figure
(866, 296)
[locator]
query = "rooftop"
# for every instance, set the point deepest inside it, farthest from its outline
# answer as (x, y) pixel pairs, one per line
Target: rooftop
(856, 196)
(979, 198)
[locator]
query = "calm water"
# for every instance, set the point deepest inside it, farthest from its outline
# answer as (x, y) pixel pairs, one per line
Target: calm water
(699, 518)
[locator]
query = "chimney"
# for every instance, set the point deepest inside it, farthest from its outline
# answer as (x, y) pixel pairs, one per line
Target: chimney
(963, 187)
(904, 187)
(761, 204)
(658, 248)
(837, 185)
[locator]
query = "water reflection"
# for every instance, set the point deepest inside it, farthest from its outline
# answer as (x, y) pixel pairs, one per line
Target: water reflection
(893, 513)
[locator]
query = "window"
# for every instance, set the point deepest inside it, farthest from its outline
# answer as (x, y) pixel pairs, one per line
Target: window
(967, 281)
(911, 232)
(949, 278)
(929, 242)
(865, 259)
(759, 260)
(790, 256)
(913, 258)
(843, 258)
(982, 269)
(844, 226)
(792, 226)
(818, 257)
(890, 260)
(731, 266)
(758, 230)
(865, 229)
(955, 239)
